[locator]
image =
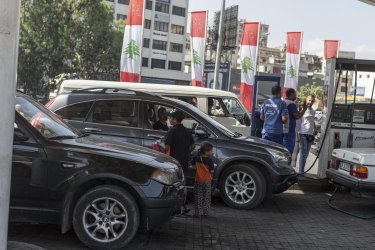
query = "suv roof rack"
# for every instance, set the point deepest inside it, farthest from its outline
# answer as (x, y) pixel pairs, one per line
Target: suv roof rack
(111, 90)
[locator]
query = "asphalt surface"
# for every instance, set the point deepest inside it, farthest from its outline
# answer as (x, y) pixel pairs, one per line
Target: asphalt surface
(292, 220)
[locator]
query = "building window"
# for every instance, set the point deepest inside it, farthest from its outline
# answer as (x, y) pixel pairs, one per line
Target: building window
(176, 47)
(360, 76)
(177, 29)
(157, 63)
(149, 5)
(124, 2)
(122, 17)
(162, 7)
(144, 61)
(174, 65)
(178, 11)
(187, 45)
(146, 43)
(160, 45)
(160, 26)
(147, 24)
(343, 89)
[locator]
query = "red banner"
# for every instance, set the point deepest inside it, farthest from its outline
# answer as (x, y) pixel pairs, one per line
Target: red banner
(331, 49)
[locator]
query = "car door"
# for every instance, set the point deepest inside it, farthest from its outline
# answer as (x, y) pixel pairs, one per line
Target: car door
(153, 136)
(29, 172)
(116, 120)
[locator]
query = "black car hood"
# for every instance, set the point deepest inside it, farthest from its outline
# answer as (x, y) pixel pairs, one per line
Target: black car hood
(122, 150)
(261, 142)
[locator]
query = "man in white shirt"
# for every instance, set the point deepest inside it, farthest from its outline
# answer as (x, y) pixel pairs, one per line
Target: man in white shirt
(307, 132)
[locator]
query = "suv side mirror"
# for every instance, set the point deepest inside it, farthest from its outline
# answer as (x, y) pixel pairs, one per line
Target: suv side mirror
(18, 135)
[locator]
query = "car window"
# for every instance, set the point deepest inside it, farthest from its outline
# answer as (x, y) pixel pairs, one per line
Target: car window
(48, 124)
(75, 112)
(233, 106)
(121, 113)
(156, 118)
(188, 99)
(216, 107)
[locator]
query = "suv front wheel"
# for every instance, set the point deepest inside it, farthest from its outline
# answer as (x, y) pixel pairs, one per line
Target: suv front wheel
(242, 186)
(106, 217)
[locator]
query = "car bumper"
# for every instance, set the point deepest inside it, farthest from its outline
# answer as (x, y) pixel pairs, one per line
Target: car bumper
(157, 211)
(283, 182)
(350, 182)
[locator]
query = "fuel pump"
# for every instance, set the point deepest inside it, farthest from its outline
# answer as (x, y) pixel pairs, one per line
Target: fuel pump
(345, 124)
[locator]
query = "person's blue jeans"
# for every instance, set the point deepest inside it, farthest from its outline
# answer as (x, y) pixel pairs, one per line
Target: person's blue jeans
(289, 141)
(278, 138)
(304, 149)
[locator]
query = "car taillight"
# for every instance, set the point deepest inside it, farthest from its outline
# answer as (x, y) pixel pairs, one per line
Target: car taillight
(358, 171)
(335, 164)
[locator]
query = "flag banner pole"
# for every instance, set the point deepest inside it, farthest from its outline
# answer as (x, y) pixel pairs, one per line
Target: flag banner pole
(132, 44)
(248, 58)
(293, 56)
(198, 28)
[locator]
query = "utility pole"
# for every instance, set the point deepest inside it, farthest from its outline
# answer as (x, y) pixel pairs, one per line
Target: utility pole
(9, 29)
(219, 43)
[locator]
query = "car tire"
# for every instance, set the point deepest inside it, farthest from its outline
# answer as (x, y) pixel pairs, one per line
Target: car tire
(106, 217)
(242, 186)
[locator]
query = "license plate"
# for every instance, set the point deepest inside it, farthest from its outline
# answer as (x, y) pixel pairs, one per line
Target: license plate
(345, 166)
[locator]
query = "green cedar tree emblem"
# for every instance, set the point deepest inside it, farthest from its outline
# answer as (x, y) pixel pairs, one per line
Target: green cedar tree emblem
(247, 65)
(196, 58)
(131, 50)
(292, 72)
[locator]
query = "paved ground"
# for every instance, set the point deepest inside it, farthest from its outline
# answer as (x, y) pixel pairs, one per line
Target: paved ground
(292, 220)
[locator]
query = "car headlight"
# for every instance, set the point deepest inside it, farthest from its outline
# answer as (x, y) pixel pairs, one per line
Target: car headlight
(165, 176)
(279, 156)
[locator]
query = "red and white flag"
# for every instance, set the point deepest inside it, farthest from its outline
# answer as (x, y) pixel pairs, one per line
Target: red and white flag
(131, 47)
(331, 49)
(293, 53)
(197, 44)
(248, 57)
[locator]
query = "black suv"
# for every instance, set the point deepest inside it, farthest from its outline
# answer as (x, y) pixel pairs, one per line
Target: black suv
(248, 168)
(106, 189)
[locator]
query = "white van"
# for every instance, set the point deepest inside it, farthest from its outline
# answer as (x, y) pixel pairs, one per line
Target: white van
(223, 106)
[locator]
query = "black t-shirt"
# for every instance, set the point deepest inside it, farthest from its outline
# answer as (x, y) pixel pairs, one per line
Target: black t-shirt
(160, 126)
(179, 139)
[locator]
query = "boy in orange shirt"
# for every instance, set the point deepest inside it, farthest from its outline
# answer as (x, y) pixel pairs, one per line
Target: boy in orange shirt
(202, 187)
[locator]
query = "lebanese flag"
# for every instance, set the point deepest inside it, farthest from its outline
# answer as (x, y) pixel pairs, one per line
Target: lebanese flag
(131, 46)
(331, 49)
(293, 52)
(248, 57)
(197, 44)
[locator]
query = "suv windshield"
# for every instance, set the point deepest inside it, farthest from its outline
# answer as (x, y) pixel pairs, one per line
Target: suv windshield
(48, 124)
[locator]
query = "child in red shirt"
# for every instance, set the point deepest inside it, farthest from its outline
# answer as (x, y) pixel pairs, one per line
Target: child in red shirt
(202, 187)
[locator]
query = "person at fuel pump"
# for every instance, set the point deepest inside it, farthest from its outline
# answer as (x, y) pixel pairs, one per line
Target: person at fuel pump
(274, 113)
(307, 132)
(298, 128)
(179, 143)
(289, 139)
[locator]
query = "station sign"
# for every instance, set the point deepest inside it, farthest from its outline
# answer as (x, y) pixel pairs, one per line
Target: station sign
(159, 35)
(159, 54)
(162, 17)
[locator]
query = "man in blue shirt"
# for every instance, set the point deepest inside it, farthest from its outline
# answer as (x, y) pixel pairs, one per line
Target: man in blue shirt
(274, 113)
(289, 139)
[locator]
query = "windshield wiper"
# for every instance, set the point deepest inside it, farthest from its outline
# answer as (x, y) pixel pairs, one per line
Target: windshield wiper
(62, 137)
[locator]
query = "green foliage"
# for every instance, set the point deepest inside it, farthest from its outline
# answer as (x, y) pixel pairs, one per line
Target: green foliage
(292, 72)
(131, 50)
(308, 89)
(64, 37)
(196, 58)
(247, 65)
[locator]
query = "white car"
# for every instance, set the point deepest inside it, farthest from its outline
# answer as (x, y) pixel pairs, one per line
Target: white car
(353, 168)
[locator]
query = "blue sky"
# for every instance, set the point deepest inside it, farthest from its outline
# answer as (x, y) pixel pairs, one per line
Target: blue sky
(350, 21)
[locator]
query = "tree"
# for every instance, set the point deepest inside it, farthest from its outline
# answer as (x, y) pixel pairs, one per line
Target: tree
(292, 71)
(306, 90)
(65, 37)
(196, 58)
(247, 64)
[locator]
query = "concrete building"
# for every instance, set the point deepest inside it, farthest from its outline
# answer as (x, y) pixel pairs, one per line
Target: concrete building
(164, 39)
